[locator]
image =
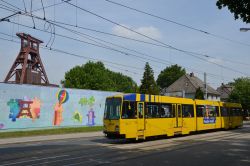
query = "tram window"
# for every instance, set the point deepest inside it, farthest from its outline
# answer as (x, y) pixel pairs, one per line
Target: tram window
(224, 111)
(166, 111)
(232, 112)
(217, 111)
(199, 110)
(236, 111)
(152, 110)
(187, 110)
(128, 110)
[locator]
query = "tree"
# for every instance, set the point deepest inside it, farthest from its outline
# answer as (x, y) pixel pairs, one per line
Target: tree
(169, 75)
(96, 77)
(199, 94)
(148, 84)
(241, 92)
(240, 8)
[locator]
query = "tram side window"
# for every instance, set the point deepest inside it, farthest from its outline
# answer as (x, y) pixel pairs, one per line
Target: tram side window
(207, 111)
(232, 111)
(224, 111)
(236, 112)
(128, 110)
(199, 110)
(152, 110)
(217, 111)
(166, 111)
(187, 110)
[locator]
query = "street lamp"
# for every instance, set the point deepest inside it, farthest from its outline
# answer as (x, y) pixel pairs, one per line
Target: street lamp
(244, 29)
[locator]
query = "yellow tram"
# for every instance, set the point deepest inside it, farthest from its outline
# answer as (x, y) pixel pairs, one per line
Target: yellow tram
(139, 116)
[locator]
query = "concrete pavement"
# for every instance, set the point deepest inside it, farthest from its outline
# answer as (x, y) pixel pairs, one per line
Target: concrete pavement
(50, 137)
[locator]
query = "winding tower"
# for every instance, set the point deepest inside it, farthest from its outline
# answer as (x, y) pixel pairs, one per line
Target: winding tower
(28, 67)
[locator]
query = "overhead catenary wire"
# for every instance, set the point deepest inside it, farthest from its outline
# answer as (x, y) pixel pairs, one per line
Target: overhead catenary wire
(122, 52)
(177, 23)
(171, 47)
(40, 18)
(188, 52)
(77, 55)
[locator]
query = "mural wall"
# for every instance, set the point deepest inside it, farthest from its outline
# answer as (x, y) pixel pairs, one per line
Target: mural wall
(32, 107)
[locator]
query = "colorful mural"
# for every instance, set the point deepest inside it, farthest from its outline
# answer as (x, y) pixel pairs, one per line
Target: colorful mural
(77, 117)
(32, 107)
(24, 108)
(1, 126)
(62, 97)
(89, 103)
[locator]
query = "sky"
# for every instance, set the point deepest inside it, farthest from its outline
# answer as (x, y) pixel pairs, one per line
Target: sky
(223, 53)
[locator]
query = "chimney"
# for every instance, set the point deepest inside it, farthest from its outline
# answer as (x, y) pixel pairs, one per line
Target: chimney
(191, 74)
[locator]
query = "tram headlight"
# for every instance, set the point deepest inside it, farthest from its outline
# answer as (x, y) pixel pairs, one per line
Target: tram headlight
(117, 128)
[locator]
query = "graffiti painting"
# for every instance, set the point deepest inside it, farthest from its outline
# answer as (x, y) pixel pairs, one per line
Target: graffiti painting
(1, 126)
(62, 97)
(14, 109)
(91, 117)
(89, 102)
(77, 117)
(24, 108)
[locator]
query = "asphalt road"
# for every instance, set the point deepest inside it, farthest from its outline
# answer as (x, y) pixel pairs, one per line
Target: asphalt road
(230, 148)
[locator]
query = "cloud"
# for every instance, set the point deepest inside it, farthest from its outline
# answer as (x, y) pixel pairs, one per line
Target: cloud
(149, 31)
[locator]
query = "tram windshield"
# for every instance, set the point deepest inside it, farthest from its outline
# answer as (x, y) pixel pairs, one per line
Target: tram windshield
(112, 108)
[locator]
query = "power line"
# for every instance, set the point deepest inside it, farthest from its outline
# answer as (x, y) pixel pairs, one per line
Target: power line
(171, 47)
(75, 55)
(107, 47)
(177, 23)
(91, 43)
(40, 18)
(187, 52)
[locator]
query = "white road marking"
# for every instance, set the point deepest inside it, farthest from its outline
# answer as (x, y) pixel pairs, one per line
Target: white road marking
(26, 161)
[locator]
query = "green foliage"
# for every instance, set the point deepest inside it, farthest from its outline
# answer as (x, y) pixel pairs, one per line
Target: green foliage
(169, 75)
(96, 77)
(241, 92)
(240, 8)
(148, 84)
(199, 94)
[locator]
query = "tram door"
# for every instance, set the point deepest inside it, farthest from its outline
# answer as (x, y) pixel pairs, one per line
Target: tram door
(140, 116)
(177, 111)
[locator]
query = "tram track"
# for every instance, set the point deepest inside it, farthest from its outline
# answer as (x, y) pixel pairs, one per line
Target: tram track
(110, 148)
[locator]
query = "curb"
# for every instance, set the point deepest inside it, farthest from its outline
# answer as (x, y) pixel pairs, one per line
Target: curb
(19, 140)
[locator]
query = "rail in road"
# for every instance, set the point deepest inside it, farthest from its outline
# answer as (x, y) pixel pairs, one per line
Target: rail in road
(101, 151)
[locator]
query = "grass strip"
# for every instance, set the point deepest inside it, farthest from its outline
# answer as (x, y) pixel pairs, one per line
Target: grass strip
(49, 131)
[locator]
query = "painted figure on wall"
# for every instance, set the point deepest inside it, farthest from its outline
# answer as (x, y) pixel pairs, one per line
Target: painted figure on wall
(77, 117)
(84, 101)
(35, 108)
(1, 126)
(14, 109)
(24, 108)
(62, 97)
(91, 117)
